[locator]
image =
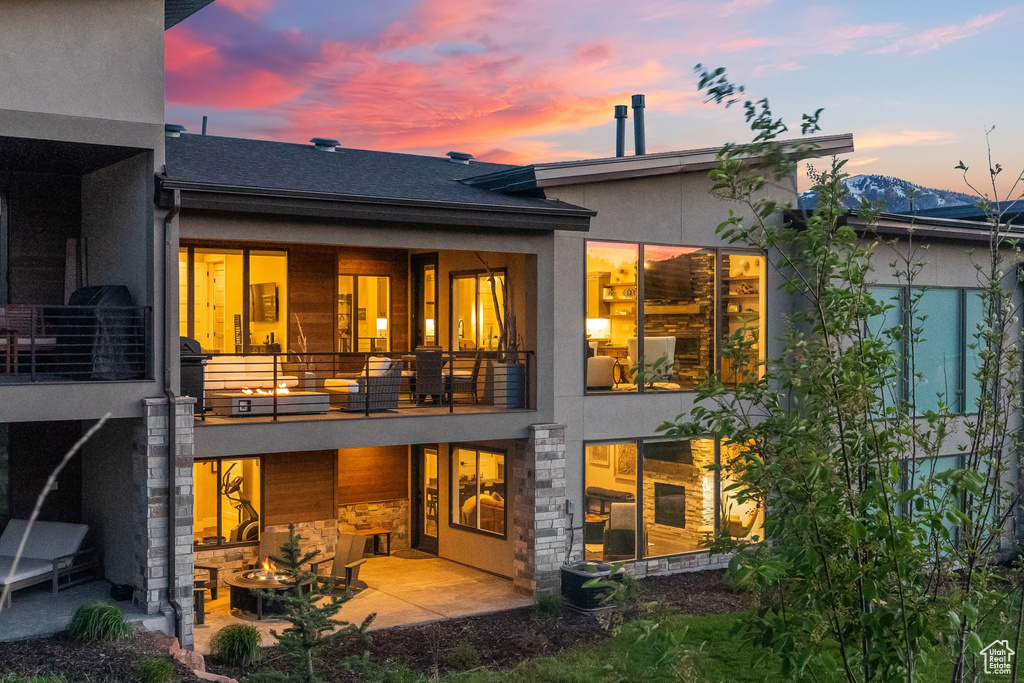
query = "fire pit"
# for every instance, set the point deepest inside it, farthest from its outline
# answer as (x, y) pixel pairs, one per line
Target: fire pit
(267, 577)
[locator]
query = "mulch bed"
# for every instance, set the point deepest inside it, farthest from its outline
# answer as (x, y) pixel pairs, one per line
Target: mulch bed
(503, 639)
(99, 663)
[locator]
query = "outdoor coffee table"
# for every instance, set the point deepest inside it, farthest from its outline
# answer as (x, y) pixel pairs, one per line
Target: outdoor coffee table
(245, 600)
(239, 404)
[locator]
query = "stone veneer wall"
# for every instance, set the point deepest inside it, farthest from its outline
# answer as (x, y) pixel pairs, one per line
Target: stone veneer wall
(688, 372)
(700, 493)
(151, 514)
(389, 514)
(538, 511)
(320, 535)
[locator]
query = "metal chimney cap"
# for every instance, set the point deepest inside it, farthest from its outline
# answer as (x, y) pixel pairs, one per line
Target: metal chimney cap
(173, 130)
(638, 101)
(621, 111)
(325, 144)
(459, 157)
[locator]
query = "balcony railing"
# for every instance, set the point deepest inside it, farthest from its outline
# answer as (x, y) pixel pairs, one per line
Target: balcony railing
(74, 343)
(429, 379)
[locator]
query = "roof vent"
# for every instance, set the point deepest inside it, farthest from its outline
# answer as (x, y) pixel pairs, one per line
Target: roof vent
(459, 157)
(173, 130)
(325, 144)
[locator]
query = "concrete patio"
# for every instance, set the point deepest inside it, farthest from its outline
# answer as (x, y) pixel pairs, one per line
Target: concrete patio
(401, 591)
(35, 611)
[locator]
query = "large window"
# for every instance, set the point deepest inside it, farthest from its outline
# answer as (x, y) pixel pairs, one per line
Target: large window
(655, 497)
(652, 312)
(473, 315)
(234, 300)
(478, 490)
(943, 364)
(227, 501)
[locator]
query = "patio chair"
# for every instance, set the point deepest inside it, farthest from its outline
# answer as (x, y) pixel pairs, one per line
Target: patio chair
(52, 553)
(200, 586)
(620, 536)
(368, 393)
(429, 375)
(345, 563)
(270, 546)
(463, 381)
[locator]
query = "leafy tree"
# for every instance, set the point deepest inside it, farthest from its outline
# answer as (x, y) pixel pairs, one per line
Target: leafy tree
(874, 565)
(310, 607)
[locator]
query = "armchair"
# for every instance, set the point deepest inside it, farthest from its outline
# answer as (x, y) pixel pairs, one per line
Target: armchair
(374, 390)
(345, 563)
(620, 536)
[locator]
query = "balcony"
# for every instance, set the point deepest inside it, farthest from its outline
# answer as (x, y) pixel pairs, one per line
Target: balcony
(77, 343)
(233, 388)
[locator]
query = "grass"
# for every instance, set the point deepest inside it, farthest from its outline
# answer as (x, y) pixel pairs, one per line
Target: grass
(98, 622)
(237, 645)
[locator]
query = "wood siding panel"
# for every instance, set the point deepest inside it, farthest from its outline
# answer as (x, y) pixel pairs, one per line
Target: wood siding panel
(368, 475)
(393, 263)
(312, 283)
(298, 487)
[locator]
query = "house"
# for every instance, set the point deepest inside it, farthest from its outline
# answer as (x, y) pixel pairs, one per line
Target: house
(319, 336)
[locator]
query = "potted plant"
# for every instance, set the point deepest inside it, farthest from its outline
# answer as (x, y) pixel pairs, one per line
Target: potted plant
(506, 377)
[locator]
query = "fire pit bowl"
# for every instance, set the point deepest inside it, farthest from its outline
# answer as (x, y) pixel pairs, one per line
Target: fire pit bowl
(267, 577)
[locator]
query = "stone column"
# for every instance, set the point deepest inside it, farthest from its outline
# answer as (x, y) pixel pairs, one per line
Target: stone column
(152, 515)
(538, 517)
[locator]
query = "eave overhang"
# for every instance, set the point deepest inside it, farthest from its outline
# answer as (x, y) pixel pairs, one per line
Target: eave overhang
(379, 210)
(902, 226)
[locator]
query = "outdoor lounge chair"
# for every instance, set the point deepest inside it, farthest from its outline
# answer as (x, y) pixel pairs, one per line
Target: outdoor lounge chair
(345, 564)
(52, 553)
(377, 389)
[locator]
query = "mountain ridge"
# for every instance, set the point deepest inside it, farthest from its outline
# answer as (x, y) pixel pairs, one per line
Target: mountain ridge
(900, 196)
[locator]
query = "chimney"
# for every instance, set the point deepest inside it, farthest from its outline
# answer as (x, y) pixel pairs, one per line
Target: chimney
(325, 144)
(205, 119)
(639, 140)
(173, 130)
(621, 114)
(459, 157)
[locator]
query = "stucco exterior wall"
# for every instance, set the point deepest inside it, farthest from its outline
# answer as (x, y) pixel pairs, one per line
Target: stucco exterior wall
(88, 58)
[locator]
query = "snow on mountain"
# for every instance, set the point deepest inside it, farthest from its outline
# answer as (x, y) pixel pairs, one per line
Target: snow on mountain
(896, 192)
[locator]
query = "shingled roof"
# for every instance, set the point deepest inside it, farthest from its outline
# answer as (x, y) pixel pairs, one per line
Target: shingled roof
(177, 11)
(204, 163)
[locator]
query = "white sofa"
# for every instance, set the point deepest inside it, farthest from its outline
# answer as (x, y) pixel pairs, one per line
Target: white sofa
(655, 348)
(236, 372)
(52, 552)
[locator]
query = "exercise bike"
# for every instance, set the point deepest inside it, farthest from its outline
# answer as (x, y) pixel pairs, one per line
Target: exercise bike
(248, 528)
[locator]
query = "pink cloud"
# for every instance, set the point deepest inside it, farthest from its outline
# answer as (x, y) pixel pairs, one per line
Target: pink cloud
(903, 138)
(251, 9)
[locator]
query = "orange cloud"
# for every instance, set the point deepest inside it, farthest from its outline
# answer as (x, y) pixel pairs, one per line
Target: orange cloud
(877, 140)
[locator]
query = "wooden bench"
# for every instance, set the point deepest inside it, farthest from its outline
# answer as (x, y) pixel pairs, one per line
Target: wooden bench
(376, 533)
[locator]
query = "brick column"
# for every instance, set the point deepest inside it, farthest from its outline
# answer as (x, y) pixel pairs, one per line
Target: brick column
(538, 517)
(151, 515)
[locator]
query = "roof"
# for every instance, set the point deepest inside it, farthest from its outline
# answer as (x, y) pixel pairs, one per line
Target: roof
(899, 225)
(1012, 212)
(177, 11)
(222, 166)
(526, 178)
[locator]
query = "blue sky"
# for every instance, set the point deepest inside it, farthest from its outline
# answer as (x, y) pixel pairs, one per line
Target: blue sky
(536, 80)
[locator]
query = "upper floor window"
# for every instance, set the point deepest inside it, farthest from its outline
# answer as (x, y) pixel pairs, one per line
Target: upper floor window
(234, 300)
(942, 364)
(656, 315)
(476, 309)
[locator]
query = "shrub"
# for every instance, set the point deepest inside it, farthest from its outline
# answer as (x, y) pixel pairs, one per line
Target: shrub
(550, 605)
(462, 657)
(98, 622)
(155, 670)
(237, 645)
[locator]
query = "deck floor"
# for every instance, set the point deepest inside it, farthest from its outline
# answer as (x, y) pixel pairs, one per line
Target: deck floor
(400, 591)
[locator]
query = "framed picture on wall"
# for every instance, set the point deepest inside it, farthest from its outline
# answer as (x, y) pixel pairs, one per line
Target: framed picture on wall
(625, 462)
(599, 456)
(361, 313)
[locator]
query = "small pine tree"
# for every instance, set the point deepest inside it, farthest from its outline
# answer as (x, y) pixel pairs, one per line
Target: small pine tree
(310, 607)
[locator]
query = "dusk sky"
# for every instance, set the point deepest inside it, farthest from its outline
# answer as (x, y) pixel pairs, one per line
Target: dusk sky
(534, 81)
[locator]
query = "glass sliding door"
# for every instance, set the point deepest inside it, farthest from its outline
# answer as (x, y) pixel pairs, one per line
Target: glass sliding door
(427, 500)
(364, 314)
(476, 310)
(234, 300)
(424, 310)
